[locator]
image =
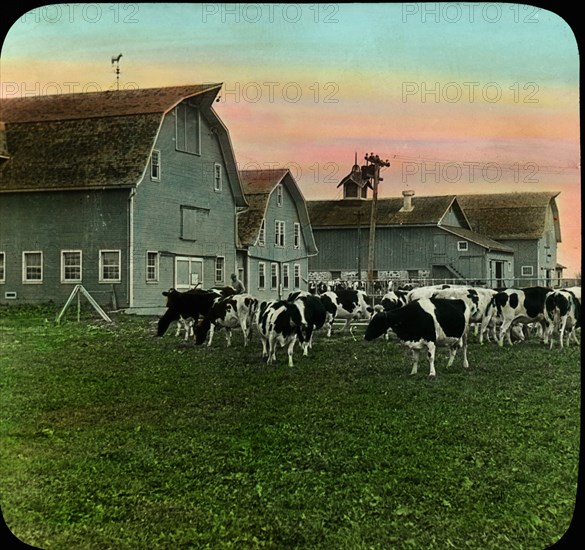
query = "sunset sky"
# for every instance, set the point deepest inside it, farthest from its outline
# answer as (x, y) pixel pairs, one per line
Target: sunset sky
(461, 98)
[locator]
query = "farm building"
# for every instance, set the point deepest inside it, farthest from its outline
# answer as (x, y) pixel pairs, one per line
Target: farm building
(275, 232)
(494, 239)
(128, 193)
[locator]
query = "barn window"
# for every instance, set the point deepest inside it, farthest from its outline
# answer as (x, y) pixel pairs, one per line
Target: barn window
(297, 235)
(188, 223)
(32, 267)
(187, 129)
(261, 275)
(219, 269)
(527, 271)
(285, 276)
(2, 267)
(217, 177)
(110, 266)
(273, 276)
(152, 259)
(262, 233)
(279, 194)
(462, 246)
(297, 276)
(279, 230)
(71, 266)
(155, 165)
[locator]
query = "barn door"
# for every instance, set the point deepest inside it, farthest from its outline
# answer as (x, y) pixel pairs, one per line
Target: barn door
(188, 272)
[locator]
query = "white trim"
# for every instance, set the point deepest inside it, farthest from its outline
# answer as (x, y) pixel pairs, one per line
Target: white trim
(297, 267)
(71, 281)
(217, 189)
(101, 266)
(287, 266)
(191, 260)
(24, 266)
(222, 269)
(279, 232)
(279, 194)
(262, 233)
(263, 265)
(531, 268)
(461, 247)
(274, 271)
(157, 164)
(296, 235)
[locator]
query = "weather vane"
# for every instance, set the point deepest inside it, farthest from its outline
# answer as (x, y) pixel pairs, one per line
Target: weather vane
(116, 60)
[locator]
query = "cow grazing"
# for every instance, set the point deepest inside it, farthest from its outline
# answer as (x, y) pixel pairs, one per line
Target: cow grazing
(236, 311)
(426, 323)
(562, 310)
(313, 314)
(345, 304)
(520, 306)
(392, 300)
(279, 322)
(189, 304)
(424, 292)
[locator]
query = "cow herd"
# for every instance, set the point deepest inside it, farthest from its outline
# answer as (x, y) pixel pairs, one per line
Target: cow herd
(422, 318)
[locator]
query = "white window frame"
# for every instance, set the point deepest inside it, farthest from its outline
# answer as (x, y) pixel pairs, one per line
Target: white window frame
(101, 266)
(155, 165)
(262, 233)
(217, 178)
(279, 194)
(296, 276)
(462, 246)
(279, 233)
(527, 267)
(2, 267)
(25, 265)
(64, 279)
(219, 268)
(297, 235)
(285, 276)
(274, 276)
(156, 255)
(261, 275)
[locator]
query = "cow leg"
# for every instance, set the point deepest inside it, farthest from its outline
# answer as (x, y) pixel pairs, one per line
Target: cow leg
(179, 325)
(245, 332)
(346, 326)
(562, 330)
(228, 336)
(505, 332)
(463, 345)
(431, 355)
(452, 354)
(264, 350)
(291, 347)
(210, 334)
(415, 356)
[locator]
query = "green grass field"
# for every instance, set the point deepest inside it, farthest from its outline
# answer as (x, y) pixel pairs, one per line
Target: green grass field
(113, 438)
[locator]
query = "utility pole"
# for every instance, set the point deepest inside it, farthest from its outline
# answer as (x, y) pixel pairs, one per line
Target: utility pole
(359, 244)
(373, 170)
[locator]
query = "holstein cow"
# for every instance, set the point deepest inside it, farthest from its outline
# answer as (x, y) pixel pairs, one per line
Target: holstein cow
(345, 304)
(562, 310)
(426, 323)
(279, 322)
(521, 306)
(186, 305)
(313, 313)
(236, 311)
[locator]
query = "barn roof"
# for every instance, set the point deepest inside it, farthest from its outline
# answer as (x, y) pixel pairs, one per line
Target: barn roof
(258, 185)
(86, 140)
(511, 215)
(343, 213)
(476, 238)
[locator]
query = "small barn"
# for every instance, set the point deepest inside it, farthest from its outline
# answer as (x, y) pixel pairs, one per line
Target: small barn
(127, 193)
(427, 237)
(275, 233)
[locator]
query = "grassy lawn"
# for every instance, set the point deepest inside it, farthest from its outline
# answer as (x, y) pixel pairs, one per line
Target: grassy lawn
(113, 438)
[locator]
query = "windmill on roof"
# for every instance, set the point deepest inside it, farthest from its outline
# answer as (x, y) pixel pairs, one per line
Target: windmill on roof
(356, 183)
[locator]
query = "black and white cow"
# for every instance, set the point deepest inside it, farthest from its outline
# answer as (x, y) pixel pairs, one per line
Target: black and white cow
(186, 305)
(426, 323)
(279, 322)
(345, 304)
(562, 310)
(424, 292)
(235, 311)
(313, 313)
(520, 306)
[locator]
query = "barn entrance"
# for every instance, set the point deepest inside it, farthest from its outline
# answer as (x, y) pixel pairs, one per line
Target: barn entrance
(188, 272)
(497, 273)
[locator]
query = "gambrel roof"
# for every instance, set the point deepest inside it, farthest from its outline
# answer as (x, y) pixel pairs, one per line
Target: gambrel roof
(347, 212)
(258, 185)
(94, 140)
(511, 215)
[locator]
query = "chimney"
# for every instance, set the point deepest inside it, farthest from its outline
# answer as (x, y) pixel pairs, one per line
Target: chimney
(407, 206)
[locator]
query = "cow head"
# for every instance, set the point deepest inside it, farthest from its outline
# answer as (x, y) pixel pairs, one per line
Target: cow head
(201, 330)
(377, 326)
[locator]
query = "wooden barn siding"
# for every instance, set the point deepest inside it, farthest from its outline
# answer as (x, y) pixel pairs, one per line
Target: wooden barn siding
(186, 179)
(396, 249)
(53, 221)
(270, 253)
